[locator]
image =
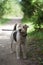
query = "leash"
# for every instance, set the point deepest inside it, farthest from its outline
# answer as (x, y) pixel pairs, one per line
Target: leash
(10, 30)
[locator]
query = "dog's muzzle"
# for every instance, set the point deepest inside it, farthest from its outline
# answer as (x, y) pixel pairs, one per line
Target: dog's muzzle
(24, 35)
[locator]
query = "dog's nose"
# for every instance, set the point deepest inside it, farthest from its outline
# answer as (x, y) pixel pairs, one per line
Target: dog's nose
(20, 30)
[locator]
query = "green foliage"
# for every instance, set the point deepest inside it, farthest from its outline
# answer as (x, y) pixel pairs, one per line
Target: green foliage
(10, 8)
(27, 7)
(35, 46)
(3, 21)
(2, 4)
(33, 9)
(38, 12)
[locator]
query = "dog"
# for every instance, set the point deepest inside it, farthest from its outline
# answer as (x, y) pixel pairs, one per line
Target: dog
(19, 38)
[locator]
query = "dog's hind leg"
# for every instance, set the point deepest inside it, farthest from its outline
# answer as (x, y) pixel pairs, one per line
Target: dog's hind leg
(12, 40)
(11, 44)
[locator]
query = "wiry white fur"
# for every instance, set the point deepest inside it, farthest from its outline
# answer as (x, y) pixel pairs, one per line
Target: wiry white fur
(18, 43)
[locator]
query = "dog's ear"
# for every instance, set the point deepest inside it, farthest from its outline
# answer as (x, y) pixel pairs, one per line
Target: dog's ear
(26, 26)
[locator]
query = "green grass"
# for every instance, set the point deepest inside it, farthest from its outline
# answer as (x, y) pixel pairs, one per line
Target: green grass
(36, 34)
(4, 20)
(35, 46)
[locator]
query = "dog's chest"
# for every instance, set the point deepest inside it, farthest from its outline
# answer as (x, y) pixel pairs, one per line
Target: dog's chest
(22, 40)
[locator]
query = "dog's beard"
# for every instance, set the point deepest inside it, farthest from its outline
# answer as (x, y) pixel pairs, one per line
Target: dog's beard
(23, 34)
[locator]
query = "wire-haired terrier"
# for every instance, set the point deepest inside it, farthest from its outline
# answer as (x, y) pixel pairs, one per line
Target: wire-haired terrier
(19, 36)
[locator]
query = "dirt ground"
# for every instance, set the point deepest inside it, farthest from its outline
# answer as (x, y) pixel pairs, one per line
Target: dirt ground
(6, 58)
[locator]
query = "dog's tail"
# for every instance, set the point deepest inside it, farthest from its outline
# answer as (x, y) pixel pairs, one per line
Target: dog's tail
(15, 26)
(14, 34)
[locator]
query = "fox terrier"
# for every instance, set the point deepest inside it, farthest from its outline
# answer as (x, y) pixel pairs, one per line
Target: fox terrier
(19, 38)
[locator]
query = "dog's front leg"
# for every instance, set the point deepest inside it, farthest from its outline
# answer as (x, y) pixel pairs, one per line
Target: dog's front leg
(18, 50)
(23, 47)
(18, 45)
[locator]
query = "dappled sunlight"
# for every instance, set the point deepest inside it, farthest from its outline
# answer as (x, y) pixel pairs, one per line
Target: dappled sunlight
(31, 27)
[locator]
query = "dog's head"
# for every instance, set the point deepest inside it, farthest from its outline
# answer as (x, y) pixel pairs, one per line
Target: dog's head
(23, 29)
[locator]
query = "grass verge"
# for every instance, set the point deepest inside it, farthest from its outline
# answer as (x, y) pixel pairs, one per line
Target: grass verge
(4, 20)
